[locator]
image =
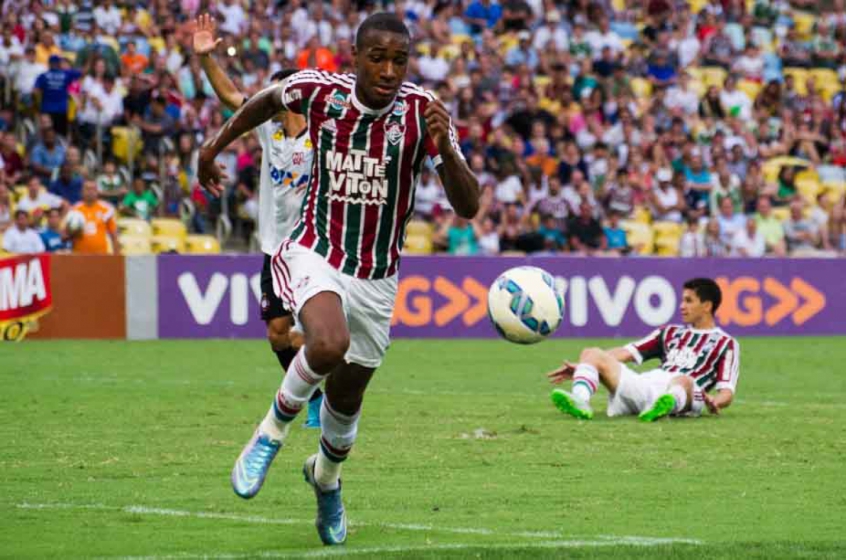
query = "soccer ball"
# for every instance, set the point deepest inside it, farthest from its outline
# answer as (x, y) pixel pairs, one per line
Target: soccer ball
(74, 222)
(524, 305)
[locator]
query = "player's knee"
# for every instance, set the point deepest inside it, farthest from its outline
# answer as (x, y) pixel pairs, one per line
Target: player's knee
(593, 356)
(327, 352)
(685, 382)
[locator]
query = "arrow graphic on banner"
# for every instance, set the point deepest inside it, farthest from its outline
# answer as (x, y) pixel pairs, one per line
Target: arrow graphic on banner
(458, 301)
(800, 301)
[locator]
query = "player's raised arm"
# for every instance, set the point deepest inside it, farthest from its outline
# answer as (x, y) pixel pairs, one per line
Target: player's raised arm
(205, 43)
(258, 109)
(460, 184)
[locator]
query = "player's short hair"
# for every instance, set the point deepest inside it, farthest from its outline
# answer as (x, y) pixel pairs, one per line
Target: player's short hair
(706, 290)
(280, 75)
(380, 21)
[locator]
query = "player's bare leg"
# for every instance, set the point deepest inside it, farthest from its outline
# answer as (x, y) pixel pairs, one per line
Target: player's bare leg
(677, 400)
(327, 339)
(339, 416)
(595, 366)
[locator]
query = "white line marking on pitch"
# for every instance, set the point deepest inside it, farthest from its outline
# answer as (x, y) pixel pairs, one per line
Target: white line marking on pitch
(144, 510)
(376, 550)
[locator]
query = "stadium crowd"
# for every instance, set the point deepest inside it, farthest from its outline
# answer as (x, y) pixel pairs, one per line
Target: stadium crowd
(603, 127)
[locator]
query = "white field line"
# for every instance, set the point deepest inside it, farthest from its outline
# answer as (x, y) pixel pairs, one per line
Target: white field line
(144, 510)
(379, 550)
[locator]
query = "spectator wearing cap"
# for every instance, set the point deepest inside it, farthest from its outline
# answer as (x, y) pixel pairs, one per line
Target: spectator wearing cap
(51, 91)
(523, 53)
(552, 34)
(21, 238)
(666, 201)
(47, 155)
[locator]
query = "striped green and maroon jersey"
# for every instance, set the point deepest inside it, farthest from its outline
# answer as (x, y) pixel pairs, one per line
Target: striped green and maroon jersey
(711, 357)
(366, 166)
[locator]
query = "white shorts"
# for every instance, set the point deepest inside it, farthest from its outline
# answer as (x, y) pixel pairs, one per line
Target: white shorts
(636, 392)
(300, 274)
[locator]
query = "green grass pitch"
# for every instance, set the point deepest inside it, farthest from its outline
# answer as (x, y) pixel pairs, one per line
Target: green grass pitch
(116, 449)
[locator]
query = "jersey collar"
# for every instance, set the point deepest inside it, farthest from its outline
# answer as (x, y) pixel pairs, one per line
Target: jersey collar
(358, 104)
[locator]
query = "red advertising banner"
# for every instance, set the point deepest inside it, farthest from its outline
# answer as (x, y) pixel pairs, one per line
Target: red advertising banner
(25, 293)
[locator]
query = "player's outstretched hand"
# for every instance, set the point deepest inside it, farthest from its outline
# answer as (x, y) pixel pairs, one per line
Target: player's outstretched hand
(709, 402)
(437, 121)
(210, 174)
(562, 374)
(204, 39)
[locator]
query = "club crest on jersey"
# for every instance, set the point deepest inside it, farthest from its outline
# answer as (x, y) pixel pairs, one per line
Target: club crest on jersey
(400, 108)
(298, 158)
(394, 131)
(338, 101)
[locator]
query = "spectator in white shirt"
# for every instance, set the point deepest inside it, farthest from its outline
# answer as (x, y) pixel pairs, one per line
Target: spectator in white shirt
(604, 37)
(22, 239)
(735, 102)
(692, 242)
(27, 72)
(11, 51)
(749, 242)
(730, 222)
(234, 17)
(509, 189)
(108, 17)
(682, 97)
(432, 67)
(750, 65)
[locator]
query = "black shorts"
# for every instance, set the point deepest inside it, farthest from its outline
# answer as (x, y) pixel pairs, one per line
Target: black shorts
(271, 306)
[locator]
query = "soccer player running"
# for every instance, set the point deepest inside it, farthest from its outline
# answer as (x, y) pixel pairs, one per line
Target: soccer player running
(338, 270)
(286, 163)
(696, 358)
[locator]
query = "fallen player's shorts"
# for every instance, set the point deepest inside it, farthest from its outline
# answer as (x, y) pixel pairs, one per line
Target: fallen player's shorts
(637, 392)
(300, 274)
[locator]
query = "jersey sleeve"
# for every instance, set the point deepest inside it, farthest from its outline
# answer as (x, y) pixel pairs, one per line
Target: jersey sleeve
(297, 90)
(649, 347)
(728, 367)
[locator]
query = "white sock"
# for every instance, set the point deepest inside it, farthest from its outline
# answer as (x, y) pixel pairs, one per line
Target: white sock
(338, 433)
(273, 427)
(327, 473)
(680, 395)
(585, 382)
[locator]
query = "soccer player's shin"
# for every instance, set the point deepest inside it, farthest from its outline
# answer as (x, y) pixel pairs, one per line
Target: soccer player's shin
(338, 432)
(297, 388)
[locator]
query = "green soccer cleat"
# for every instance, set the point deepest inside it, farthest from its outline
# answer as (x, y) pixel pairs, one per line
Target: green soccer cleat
(662, 407)
(569, 404)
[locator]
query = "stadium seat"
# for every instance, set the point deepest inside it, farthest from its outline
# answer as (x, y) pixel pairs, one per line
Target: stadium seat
(167, 244)
(418, 245)
(135, 245)
(697, 6)
(169, 227)
(122, 137)
(782, 213)
(642, 214)
(824, 76)
(134, 227)
(809, 188)
(750, 88)
(639, 236)
(835, 188)
(641, 87)
(667, 246)
(804, 23)
(800, 76)
(419, 227)
(19, 192)
(202, 245)
(618, 5)
(713, 76)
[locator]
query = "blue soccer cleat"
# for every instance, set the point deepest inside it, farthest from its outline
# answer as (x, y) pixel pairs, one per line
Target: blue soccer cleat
(313, 420)
(252, 465)
(331, 519)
